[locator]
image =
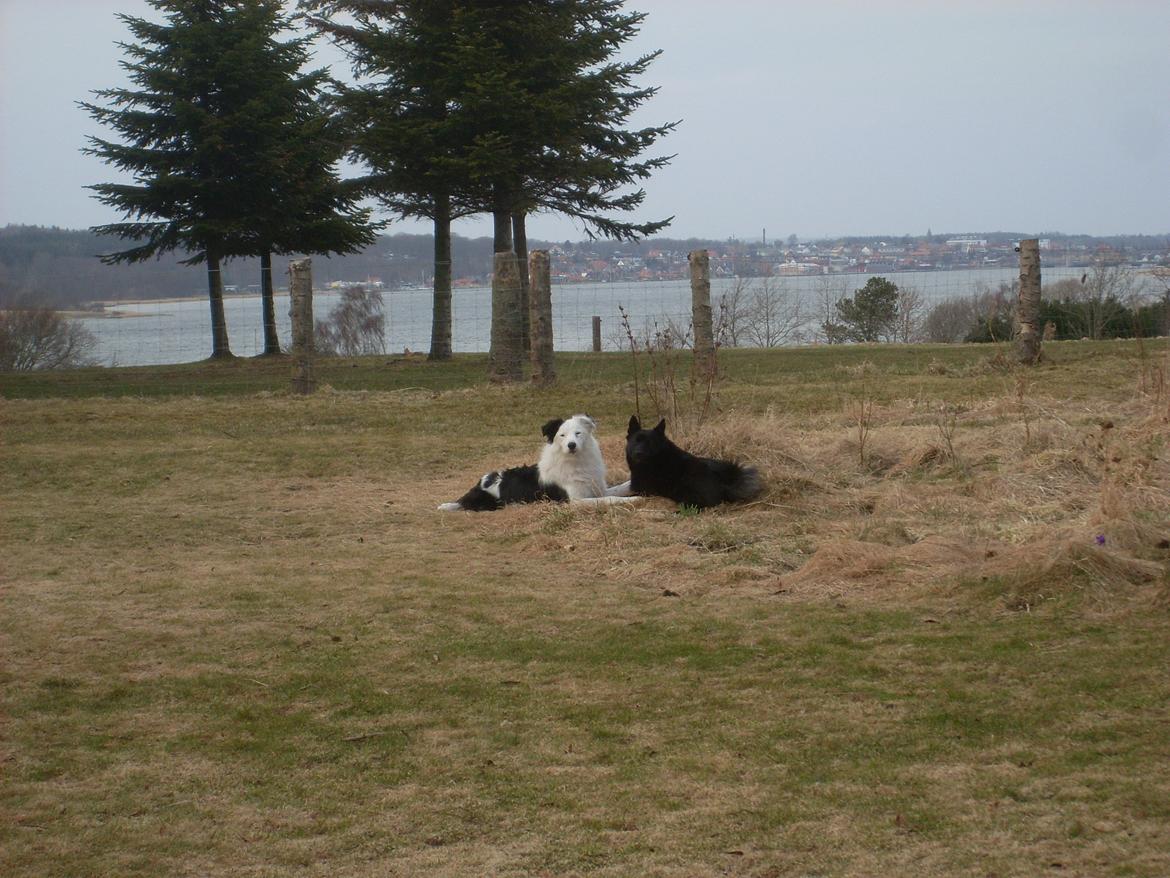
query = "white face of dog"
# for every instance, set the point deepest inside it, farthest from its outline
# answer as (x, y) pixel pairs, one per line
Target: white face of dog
(569, 437)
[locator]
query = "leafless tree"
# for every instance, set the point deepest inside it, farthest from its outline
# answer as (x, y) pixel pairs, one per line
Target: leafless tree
(1103, 287)
(354, 327)
(1160, 278)
(829, 329)
(33, 337)
(774, 318)
(911, 308)
(733, 313)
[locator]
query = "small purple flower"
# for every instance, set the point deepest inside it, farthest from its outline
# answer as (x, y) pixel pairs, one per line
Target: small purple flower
(1100, 539)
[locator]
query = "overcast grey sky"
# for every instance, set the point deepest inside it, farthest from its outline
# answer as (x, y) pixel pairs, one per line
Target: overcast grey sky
(824, 117)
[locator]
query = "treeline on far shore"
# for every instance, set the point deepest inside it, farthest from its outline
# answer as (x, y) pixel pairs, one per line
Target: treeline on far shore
(61, 267)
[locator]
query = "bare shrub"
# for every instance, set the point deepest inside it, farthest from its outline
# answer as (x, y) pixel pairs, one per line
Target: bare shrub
(733, 313)
(986, 315)
(674, 334)
(656, 357)
(946, 421)
(1023, 384)
(33, 337)
(355, 327)
(948, 321)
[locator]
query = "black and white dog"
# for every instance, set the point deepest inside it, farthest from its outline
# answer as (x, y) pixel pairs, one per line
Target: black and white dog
(660, 468)
(571, 469)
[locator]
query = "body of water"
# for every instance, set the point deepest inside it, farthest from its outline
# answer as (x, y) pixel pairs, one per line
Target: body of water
(163, 332)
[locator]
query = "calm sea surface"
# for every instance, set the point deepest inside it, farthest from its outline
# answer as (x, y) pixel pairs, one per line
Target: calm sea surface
(180, 331)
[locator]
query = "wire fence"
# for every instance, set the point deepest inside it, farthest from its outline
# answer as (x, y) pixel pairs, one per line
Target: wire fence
(178, 330)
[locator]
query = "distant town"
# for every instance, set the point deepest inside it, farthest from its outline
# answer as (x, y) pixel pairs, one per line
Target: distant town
(659, 260)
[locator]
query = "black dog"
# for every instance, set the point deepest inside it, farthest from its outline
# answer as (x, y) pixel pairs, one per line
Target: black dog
(660, 468)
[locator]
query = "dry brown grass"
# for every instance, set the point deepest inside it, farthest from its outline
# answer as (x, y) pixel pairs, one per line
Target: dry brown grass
(1078, 495)
(239, 640)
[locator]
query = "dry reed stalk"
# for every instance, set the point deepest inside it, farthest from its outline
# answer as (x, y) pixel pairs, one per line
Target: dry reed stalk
(685, 406)
(946, 421)
(863, 420)
(1023, 383)
(633, 356)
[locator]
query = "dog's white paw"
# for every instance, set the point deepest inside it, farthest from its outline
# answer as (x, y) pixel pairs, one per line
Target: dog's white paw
(449, 507)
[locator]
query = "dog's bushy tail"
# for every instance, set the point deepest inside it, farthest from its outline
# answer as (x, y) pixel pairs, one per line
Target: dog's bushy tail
(743, 483)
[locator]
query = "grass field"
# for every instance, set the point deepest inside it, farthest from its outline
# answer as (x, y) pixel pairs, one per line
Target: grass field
(238, 640)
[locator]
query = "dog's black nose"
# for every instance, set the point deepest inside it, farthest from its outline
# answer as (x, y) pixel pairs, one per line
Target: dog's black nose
(572, 446)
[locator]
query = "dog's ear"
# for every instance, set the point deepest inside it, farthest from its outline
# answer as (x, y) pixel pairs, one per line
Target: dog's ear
(660, 429)
(587, 422)
(635, 425)
(550, 429)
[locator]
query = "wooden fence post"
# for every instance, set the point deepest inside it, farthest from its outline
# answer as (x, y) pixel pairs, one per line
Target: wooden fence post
(1028, 331)
(506, 356)
(300, 293)
(540, 318)
(700, 263)
(596, 333)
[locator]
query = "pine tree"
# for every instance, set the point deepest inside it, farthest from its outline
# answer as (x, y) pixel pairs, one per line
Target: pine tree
(223, 141)
(299, 204)
(550, 103)
(870, 314)
(500, 106)
(174, 124)
(404, 120)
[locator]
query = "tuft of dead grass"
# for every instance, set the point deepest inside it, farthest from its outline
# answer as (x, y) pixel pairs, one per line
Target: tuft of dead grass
(952, 492)
(1025, 578)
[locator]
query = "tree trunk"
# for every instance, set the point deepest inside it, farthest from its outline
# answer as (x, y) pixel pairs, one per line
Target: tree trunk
(701, 312)
(540, 303)
(520, 239)
(220, 349)
(441, 310)
(268, 305)
(1028, 331)
(502, 221)
(505, 361)
(300, 297)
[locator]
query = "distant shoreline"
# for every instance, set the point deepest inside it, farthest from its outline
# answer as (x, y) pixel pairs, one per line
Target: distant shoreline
(103, 306)
(106, 303)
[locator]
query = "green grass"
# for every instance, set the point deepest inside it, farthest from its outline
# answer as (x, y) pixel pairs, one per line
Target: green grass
(238, 640)
(805, 372)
